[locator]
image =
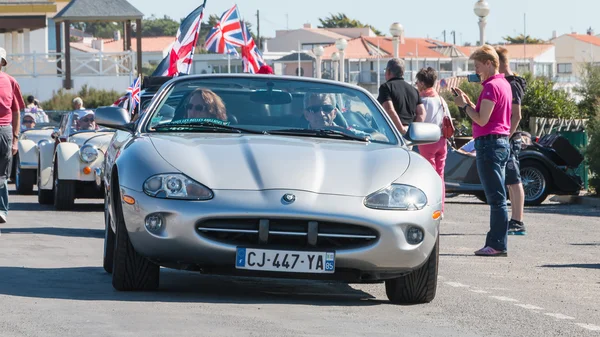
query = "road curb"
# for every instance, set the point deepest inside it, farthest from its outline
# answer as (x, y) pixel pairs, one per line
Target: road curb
(578, 200)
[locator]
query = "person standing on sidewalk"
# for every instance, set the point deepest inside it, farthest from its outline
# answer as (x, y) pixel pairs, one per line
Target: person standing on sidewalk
(513, 175)
(11, 104)
(491, 129)
(400, 100)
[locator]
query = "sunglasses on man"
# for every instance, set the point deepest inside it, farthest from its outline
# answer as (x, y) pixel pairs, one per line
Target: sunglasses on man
(87, 120)
(326, 108)
(28, 121)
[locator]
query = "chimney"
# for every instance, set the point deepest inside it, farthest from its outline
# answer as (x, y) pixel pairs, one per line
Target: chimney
(590, 31)
(308, 25)
(554, 34)
(117, 35)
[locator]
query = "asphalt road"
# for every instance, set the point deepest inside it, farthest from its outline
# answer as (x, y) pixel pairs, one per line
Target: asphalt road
(52, 284)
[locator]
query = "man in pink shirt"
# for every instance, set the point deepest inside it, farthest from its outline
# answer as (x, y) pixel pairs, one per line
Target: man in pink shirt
(11, 104)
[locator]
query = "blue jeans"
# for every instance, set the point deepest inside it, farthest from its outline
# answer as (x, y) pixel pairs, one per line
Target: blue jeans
(6, 137)
(492, 156)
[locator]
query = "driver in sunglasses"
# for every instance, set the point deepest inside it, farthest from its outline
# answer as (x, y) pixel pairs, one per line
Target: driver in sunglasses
(28, 121)
(204, 103)
(85, 120)
(319, 110)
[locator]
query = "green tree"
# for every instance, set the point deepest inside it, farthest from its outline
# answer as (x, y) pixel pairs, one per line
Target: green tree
(92, 98)
(105, 30)
(341, 20)
(164, 26)
(520, 39)
(589, 90)
(542, 100)
(592, 153)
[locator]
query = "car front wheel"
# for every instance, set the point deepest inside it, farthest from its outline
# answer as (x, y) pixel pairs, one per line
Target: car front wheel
(24, 179)
(45, 197)
(109, 239)
(64, 192)
(130, 270)
(417, 287)
(535, 179)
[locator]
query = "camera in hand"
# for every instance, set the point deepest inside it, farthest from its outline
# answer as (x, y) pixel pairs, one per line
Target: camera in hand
(473, 78)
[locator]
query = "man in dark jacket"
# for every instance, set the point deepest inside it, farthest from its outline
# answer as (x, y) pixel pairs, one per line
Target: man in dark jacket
(400, 100)
(513, 176)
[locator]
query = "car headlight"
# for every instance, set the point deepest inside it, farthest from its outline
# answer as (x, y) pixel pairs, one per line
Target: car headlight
(397, 197)
(88, 153)
(42, 142)
(176, 186)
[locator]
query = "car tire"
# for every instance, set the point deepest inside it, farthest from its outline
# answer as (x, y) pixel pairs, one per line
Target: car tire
(417, 287)
(64, 192)
(45, 197)
(536, 180)
(109, 240)
(24, 179)
(130, 270)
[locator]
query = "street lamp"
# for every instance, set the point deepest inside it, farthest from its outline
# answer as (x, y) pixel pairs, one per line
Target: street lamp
(335, 58)
(319, 51)
(397, 31)
(341, 45)
(482, 9)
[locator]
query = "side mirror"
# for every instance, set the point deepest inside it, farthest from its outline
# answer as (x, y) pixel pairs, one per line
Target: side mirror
(114, 117)
(55, 133)
(420, 133)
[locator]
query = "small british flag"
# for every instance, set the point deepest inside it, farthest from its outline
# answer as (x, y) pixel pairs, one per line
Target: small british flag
(252, 58)
(227, 34)
(135, 91)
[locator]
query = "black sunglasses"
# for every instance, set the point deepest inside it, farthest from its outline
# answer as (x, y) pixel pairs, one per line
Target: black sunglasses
(326, 108)
(197, 107)
(87, 120)
(28, 122)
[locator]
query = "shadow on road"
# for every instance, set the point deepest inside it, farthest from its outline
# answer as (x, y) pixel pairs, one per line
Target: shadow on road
(93, 284)
(579, 210)
(584, 266)
(57, 231)
(461, 234)
(586, 244)
(30, 206)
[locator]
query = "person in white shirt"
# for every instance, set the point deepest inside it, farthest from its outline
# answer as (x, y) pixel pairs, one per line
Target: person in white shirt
(33, 108)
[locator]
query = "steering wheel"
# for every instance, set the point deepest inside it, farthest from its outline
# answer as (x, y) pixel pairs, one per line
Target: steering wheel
(340, 120)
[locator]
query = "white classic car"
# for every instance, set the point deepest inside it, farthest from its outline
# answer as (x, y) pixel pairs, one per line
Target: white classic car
(25, 163)
(70, 166)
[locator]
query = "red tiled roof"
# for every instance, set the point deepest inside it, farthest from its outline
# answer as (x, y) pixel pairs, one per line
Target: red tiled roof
(361, 47)
(587, 38)
(517, 51)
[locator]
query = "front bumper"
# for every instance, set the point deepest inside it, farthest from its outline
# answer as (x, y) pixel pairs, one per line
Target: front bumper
(180, 243)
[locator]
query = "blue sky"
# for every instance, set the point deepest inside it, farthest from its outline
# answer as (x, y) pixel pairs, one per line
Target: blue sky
(419, 18)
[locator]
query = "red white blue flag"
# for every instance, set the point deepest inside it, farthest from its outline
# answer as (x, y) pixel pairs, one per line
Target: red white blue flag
(227, 34)
(134, 91)
(180, 57)
(252, 58)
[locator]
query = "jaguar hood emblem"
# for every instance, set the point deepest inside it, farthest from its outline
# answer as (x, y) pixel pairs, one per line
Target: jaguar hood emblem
(289, 198)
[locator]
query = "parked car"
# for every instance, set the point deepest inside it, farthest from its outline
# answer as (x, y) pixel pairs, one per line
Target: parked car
(25, 162)
(260, 193)
(543, 172)
(70, 165)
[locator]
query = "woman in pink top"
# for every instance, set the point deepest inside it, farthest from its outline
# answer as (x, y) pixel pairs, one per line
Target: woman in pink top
(491, 128)
(436, 108)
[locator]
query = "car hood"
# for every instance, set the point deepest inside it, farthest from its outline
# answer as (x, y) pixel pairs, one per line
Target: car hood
(99, 139)
(259, 162)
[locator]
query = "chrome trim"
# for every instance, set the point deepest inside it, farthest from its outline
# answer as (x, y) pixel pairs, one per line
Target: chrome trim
(288, 233)
(253, 231)
(347, 236)
(224, 230)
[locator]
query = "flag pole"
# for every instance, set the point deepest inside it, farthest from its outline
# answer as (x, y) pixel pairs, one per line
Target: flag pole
(378, 65)
(229, 63)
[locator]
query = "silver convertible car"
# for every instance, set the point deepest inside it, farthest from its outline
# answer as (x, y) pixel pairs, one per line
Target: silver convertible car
(268, 176)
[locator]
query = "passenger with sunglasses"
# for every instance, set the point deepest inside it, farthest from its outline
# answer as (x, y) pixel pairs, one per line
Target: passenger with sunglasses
(28, 121)
(85, 120)
(204, 103)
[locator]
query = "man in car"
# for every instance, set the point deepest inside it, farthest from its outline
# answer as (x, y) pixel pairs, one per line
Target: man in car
(85, 120)
(319, 110)
(28, 121)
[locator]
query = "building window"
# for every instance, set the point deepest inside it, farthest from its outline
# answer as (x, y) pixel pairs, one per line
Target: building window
(564, 68)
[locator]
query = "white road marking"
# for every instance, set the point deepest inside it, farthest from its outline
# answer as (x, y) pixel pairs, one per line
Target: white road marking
(457, 285)
(477, 291)
(529, 306)
(559, 316)
(590, 327)
(505, 299)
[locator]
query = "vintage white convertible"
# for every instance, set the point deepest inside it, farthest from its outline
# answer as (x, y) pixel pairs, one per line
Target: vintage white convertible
(25, 163)
(70, 166)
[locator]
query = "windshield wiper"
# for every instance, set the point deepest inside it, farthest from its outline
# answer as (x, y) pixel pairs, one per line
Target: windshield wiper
(320, 133)
(205, 125)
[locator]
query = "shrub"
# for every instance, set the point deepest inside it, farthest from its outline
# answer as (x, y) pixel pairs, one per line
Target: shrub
(592, 153)
(92, 98)
(542, 100)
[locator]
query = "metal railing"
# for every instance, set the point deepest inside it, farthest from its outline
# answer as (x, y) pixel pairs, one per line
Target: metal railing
(87, 64)
(543, 126)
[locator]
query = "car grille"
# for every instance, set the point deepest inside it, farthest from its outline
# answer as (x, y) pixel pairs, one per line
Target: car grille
(287, 233)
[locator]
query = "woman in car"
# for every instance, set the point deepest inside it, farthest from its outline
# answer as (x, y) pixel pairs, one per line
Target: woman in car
(204, 103)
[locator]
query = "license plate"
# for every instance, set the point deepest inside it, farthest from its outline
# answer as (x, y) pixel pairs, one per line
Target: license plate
(285, 260)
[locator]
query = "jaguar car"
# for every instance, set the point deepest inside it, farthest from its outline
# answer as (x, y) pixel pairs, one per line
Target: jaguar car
(270, 176)
(70, 166)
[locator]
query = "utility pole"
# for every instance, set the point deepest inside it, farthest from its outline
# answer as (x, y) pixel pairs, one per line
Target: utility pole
(444, 32)
(258, 29)
(453, 37)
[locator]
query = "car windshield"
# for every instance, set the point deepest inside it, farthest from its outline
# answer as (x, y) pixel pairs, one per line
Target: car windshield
(270, 106)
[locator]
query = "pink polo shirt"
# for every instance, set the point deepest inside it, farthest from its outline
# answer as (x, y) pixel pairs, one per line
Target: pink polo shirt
(496, 89)
(10, 98)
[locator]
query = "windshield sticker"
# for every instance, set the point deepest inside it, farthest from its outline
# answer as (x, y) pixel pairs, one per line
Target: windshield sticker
(199, 121)
(155, 120)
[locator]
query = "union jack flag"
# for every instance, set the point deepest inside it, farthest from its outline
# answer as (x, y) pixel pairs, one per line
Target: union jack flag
(227, 34)
(134, 91)
(179, 59)
(252, 58)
